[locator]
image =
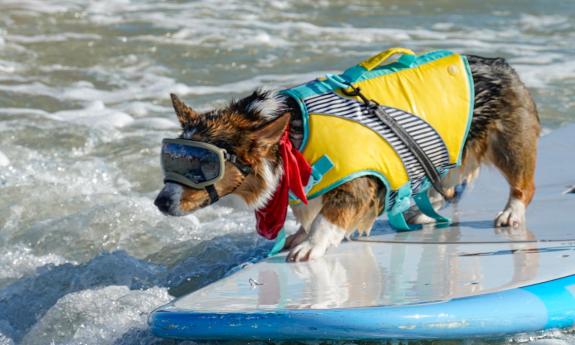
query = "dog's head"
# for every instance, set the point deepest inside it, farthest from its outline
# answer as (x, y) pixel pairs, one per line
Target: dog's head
(249, 129)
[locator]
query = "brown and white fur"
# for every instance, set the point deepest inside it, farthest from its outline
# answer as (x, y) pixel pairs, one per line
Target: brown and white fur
(504, 132)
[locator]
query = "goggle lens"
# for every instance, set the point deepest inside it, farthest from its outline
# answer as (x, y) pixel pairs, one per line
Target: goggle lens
(192, 164)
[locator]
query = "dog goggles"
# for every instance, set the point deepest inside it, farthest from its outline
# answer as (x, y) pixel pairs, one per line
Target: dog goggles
(196, 164)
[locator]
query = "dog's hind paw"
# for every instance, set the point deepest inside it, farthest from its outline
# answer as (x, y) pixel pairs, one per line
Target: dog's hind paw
(513, 215)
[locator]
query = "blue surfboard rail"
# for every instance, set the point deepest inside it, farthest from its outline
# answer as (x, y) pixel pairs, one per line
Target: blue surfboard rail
(531, 308)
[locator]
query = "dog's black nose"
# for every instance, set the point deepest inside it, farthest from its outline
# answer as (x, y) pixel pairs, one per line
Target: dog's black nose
(163, 202)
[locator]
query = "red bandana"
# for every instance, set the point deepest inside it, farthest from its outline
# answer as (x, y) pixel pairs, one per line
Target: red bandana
(271, 218)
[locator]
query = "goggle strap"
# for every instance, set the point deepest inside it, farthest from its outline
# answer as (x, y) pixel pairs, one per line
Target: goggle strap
(214, 197)
(244, 168)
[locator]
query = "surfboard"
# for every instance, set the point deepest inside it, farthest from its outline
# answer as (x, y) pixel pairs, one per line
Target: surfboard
(466, 280)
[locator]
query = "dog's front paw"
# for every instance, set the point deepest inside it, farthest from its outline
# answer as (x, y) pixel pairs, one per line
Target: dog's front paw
(513, 215)
(307, 251)
(295, 239)
(323, 235)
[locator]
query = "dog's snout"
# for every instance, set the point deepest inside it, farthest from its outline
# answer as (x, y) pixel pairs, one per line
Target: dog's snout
(168, 201)
(163, 202)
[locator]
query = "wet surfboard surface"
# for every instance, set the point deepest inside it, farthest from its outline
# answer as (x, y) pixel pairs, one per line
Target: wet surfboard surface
(466, 280)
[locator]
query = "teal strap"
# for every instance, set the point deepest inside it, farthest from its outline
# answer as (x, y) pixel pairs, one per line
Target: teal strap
(354, 73)
(398, 222)
(318, 169)
(407, 60)
(336, 81)
(402, 204)
(402, 200)
(397, 219)
(313, 88)
(279, 244)
(424, 204)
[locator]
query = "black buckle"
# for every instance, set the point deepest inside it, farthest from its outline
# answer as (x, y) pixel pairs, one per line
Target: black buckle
(357, 93)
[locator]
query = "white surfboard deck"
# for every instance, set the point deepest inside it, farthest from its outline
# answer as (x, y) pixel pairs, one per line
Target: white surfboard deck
(364, 274)
(413, 269)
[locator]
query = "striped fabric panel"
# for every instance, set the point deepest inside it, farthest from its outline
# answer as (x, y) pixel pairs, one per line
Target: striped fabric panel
(427, 138)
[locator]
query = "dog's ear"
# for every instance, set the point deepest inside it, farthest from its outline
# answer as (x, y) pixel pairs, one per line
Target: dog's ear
(271, 132)
(185, 114)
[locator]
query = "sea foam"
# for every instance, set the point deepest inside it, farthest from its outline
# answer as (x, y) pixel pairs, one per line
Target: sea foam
(96, 316)
(4, 161)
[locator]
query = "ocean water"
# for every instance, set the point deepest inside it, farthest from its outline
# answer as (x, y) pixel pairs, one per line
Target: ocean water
(84, 103)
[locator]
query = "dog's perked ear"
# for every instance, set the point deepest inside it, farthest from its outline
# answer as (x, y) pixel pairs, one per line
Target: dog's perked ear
(185, 114)
(271, 132)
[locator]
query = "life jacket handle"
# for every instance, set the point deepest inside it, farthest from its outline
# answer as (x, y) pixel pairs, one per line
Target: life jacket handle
(380, 58)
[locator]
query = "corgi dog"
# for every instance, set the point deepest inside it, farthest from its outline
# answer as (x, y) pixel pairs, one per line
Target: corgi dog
(238, 152)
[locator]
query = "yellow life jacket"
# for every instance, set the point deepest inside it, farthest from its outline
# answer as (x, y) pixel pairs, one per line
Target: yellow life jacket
(431, 98)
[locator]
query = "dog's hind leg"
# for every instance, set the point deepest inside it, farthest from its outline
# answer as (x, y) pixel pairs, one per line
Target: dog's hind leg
(512, 148)
(504, 131)
(514, 153)
(349, 207)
